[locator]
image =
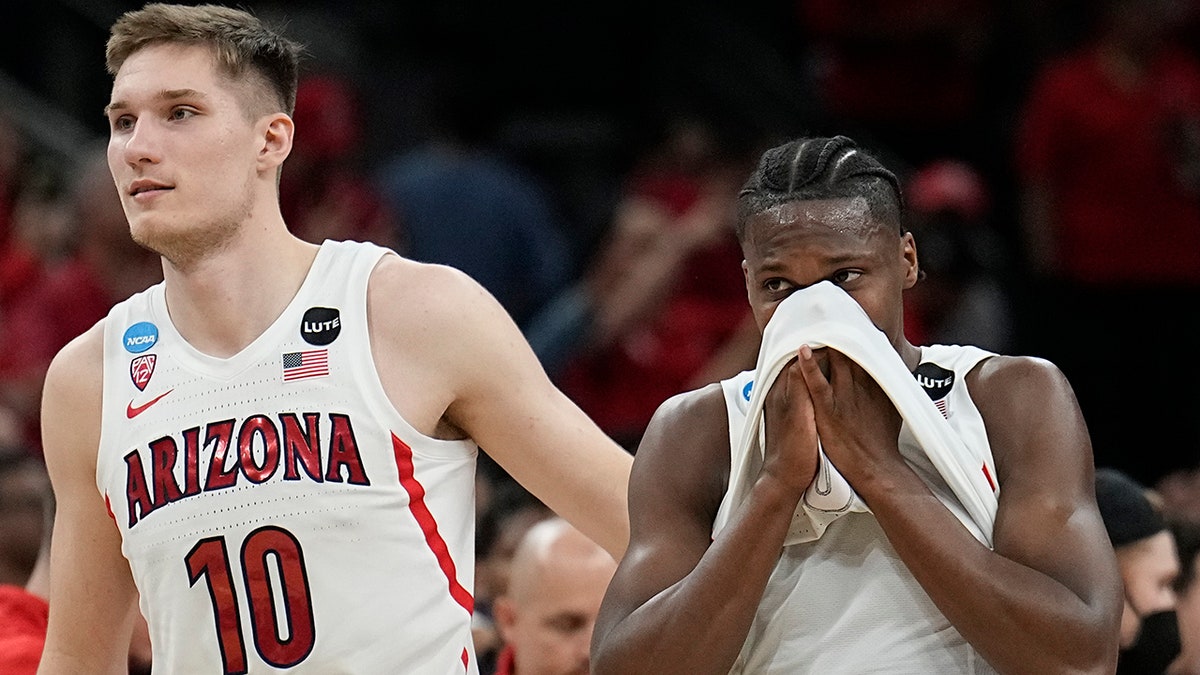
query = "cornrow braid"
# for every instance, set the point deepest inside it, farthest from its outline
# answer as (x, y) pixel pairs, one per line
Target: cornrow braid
(806, 169)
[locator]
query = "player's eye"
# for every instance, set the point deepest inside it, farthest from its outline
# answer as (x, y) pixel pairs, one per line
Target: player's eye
(842, 277)
(123, 123)
(181, 113)
(776, 285)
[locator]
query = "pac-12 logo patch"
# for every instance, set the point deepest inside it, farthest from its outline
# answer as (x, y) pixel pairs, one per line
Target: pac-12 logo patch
(320, 325)
(140, 370)
(140, 337)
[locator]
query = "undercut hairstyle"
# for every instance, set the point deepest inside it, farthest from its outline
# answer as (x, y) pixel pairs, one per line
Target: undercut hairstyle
(808, 169)
(241, 44)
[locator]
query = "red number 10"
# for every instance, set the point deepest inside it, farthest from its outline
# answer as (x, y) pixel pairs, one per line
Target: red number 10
(209, 559)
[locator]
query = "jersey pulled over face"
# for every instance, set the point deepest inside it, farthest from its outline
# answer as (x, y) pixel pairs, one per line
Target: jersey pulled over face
(182, 149)
(798, 244)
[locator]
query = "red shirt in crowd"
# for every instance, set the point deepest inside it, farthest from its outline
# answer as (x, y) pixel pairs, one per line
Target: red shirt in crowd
(1110, 157)
(23, 620)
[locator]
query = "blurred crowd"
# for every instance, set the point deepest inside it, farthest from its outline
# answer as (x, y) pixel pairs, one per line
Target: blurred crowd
(1052, 180)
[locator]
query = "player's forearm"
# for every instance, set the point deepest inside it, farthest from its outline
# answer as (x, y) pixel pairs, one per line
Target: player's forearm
(698, 625)
(596, 503)
(1020, 619)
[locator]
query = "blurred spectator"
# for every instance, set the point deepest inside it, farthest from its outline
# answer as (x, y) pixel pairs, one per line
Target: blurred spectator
(1187, 588)
(907, 71)
(24, 605)
(24, 610)
(11, 152)
(548, 612)
(461, 204)
(1149, 566)
(23, 486)
(667, 307)
(510, 513)
(1180, 494)
(322, 194)
(961, 298)
(1109, 156)
(20, 266)
(105, 266)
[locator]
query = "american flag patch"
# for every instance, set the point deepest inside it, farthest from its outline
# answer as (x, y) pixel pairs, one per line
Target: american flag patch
(302, 365)
(942, 407)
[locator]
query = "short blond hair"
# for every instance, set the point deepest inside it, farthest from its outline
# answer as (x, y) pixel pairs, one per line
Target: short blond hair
(241, 43)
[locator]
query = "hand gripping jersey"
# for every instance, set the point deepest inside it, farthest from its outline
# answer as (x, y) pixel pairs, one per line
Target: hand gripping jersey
(277, 512)
(845, 603)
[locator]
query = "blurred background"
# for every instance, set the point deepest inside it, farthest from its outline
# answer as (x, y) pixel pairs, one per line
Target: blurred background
(582, 161)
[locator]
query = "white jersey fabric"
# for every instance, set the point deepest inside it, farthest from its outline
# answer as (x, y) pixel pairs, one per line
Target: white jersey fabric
(845, 603)
(277, 512)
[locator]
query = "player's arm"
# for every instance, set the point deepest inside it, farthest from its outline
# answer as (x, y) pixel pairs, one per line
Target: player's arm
(491, 388)
(92, 596)
(682, 601)
(1047, 599)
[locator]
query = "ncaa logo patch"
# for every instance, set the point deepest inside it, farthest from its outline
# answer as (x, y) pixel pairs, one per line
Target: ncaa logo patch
(140, 337)
(140, 370)
(747, 389)
(320, 325)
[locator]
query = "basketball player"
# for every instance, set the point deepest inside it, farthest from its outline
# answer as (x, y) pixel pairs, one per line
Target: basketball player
(283, 435)
(904, 587)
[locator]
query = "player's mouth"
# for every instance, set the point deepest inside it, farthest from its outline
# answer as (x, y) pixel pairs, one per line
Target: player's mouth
(145, 189)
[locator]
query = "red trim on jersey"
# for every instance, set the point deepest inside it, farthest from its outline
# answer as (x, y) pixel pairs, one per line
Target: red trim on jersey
(416, 504)
(988, 475)
(108, 507)
(466, 659)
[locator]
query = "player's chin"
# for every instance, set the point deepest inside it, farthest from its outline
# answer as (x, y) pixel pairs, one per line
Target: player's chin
(148, 232)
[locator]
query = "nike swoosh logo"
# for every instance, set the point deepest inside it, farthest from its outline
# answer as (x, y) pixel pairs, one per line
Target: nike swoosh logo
(132, 412)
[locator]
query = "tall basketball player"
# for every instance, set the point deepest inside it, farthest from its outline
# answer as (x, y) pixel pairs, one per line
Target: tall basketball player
(898, 584)
(274, 448)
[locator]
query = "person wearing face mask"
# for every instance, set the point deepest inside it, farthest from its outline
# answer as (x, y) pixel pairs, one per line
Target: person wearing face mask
(1149, 565)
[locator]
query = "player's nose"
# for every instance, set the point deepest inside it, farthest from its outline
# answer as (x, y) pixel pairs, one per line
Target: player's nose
(141, 144)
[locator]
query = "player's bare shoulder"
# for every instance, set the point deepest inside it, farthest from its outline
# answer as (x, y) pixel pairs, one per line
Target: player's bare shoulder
(1021, 384)
(79, 366)
(434, 334)
(703, 407)
(433, 305)
(1029, 411)
(686, 447)
(72, 394)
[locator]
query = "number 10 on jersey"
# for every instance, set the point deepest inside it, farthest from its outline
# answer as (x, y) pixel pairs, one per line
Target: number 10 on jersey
(274, 579)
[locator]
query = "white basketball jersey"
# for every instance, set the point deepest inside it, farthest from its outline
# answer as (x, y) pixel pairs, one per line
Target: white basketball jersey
(277, 512)
(845, 603)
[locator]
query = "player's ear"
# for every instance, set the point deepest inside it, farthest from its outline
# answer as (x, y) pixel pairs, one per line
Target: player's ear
(505, 615)
(908, 253)
(277, 132)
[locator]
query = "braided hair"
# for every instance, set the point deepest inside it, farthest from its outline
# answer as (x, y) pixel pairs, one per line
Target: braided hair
(807, 169)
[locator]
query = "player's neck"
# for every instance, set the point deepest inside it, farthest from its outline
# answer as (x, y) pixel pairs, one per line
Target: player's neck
(909, 353)
(222, 303)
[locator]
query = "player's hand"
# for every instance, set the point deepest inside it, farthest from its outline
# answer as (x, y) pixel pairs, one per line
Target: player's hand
(790, 455)
(858, 424)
